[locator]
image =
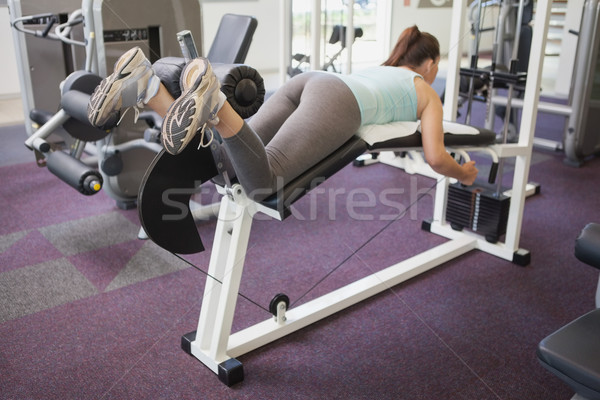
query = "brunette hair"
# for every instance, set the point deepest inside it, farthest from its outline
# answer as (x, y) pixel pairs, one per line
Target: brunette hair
(413, 48)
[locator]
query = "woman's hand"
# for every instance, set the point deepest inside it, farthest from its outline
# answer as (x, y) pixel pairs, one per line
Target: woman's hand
(469, 173)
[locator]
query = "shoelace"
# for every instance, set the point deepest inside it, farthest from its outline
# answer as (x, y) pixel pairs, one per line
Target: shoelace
(212, 136)
(136, 110)
(145, 96)
(212, 121)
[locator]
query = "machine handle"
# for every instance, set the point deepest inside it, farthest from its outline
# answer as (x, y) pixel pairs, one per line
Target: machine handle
(493, 172)
(51, 21)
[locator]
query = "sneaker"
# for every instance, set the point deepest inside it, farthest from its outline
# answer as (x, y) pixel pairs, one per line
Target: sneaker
(195, 109)
(126, 87)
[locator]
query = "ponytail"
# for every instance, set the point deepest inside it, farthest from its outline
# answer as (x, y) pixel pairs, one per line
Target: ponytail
(413, 48)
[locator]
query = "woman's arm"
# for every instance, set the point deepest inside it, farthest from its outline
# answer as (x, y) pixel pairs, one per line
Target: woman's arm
(431, 115)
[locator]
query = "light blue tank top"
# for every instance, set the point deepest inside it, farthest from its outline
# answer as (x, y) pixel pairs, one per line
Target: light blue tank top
(384, 94)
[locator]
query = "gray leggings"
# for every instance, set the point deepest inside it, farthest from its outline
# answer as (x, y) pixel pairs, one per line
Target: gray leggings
(304, 121)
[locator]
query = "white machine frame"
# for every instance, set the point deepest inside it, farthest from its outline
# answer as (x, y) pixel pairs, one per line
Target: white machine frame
(215, 345)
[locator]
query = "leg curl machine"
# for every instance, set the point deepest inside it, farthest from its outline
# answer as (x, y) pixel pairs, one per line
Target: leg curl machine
(89, 43)
(114, 158)
(213, 343)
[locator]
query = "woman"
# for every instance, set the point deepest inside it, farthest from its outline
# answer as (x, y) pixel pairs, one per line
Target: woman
(307, 119)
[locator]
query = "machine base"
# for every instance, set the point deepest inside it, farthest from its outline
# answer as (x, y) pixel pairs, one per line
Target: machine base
(230, 371)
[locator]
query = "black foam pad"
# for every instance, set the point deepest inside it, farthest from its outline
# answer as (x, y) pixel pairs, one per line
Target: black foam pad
(485, 137)
(243, 85)
(165, 193)
(319, 173)
(571, 353)
(587, 245)
(169, 69)
(76, 91)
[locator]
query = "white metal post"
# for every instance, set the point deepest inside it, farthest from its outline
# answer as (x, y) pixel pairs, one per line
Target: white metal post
(285, 37)
(349, 36)
(315, 33)
(222, 286)
(451, 97)
(528, 122)
(454, 59)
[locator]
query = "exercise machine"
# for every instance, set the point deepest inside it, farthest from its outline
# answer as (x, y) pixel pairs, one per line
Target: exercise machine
(338, 35)
(113, 159)
(580, 139)
(117, 158)
(571, 353)
(213, 343)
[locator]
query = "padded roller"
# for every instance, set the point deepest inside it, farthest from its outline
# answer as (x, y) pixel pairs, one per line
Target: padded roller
(40, 117)
(75, 104)
(169, 69)
(73, 172)
(243, 85)
(82, 81)
(76, 93)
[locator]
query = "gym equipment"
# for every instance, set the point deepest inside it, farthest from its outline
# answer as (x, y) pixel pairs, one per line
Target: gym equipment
(245, 91)
(510, 58)
(213, 343)
(121, 156)
(117, 157)
(581, 137)
(478, 209)
(174, 229)
(232, 40)
(571, 353)
(338, 34)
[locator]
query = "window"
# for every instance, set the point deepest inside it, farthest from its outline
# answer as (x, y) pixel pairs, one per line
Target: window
(368, 49)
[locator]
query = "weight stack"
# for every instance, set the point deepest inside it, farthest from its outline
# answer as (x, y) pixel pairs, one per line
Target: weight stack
(479, 210)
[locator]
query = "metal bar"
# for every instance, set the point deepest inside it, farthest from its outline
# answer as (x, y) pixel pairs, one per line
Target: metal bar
(528, 122)
(267, 331)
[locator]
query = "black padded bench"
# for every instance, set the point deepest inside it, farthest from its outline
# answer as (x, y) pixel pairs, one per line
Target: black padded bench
(572, 353)
(349, 151)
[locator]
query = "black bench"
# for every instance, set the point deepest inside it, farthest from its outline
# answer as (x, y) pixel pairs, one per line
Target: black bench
(572, 353)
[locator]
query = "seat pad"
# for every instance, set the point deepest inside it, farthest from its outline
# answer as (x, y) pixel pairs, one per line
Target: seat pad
(407, 136)
(399, 135)
(573, 351)
(587, 245)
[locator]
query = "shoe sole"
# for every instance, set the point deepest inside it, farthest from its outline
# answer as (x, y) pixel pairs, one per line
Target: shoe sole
(100, 108)
(176, 131)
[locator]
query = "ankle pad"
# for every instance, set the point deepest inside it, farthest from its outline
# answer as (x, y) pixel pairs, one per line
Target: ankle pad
(242, 85)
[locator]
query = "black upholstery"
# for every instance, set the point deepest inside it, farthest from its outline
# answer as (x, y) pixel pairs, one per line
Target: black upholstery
(230, 46)
(339, 34)
(572, 353)
(484, 138)
(75, 95)
(243, 85)
(168, 69)
(284, 198)
(165, 193)
(587, 246)
(233, 38)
